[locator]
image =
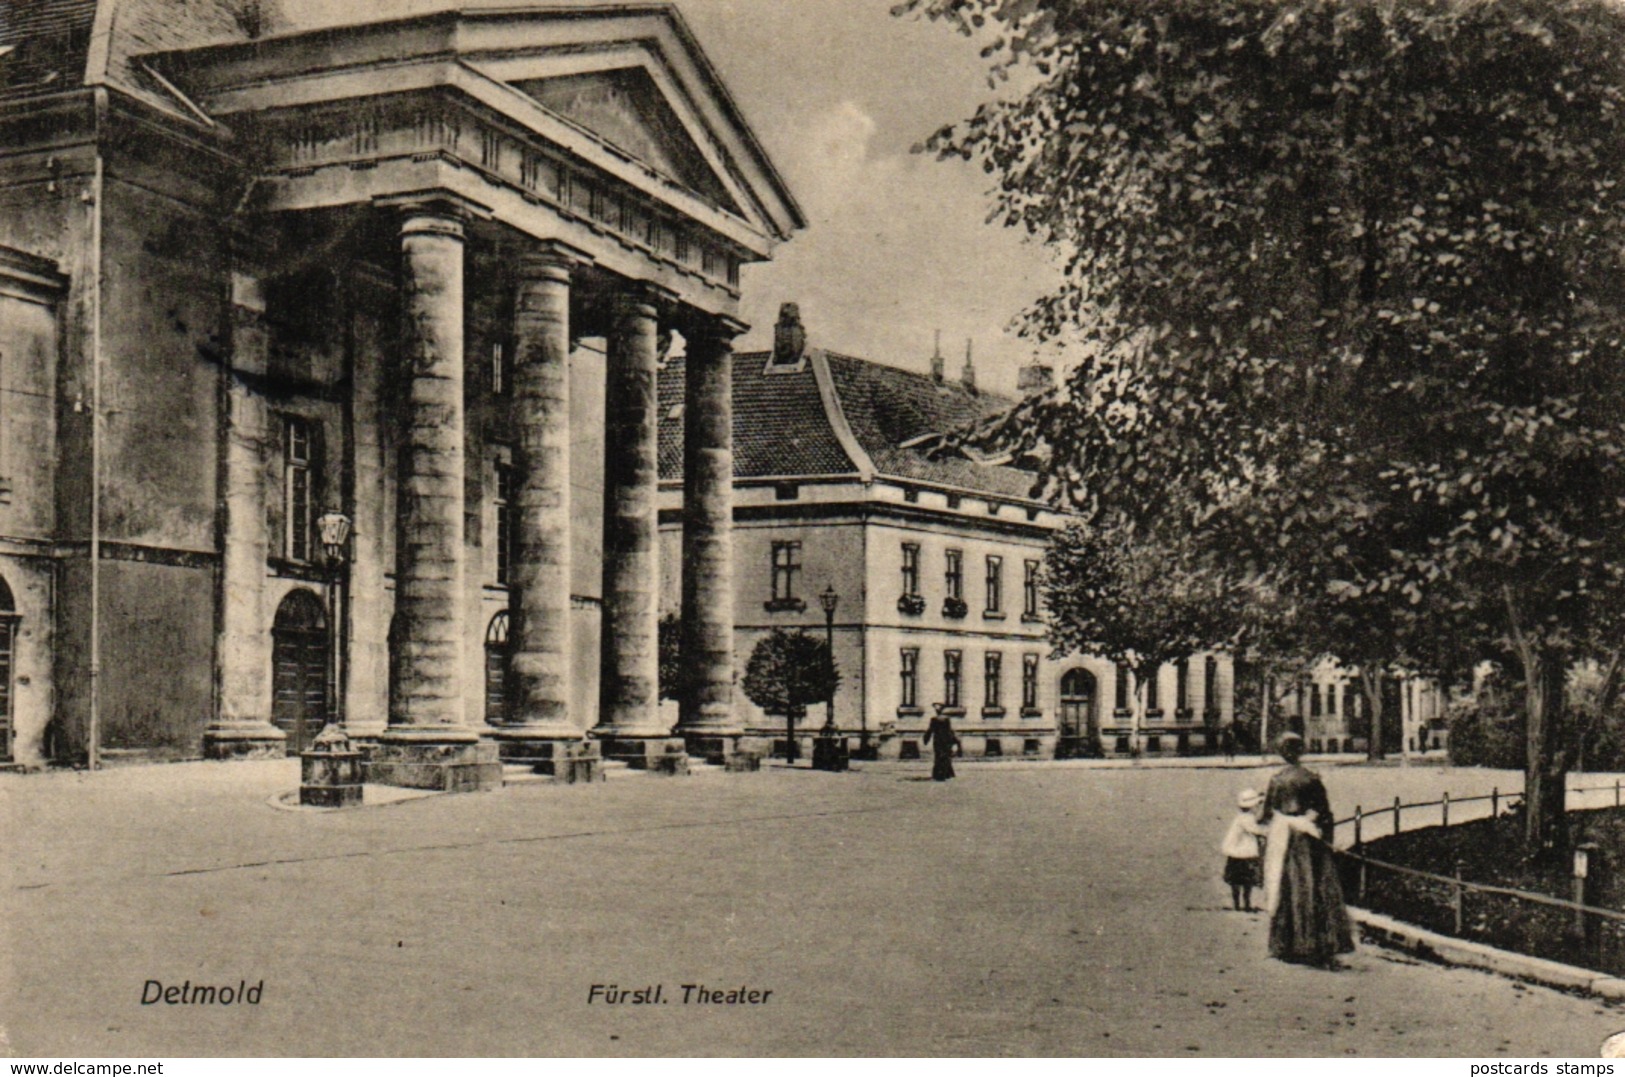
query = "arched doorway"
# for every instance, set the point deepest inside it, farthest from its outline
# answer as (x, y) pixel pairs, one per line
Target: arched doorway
(8, 642)
(1079, 734)
(299, 647)
(496, 669)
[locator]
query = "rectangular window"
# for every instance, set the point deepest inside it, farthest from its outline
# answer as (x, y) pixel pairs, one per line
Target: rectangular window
(1314, 701)
(1331, 699)
(1029, 590)
(992, 679)
(1210, 685)
(953, 575)
(499, 369)
(911, 677)
(786, 563)
(911, 568)
(298, 456)
(1029, 682)
(995, 584)
(1121, 702)
(1153, 696)
(950, 678)
(504, 521)
(1182, 687)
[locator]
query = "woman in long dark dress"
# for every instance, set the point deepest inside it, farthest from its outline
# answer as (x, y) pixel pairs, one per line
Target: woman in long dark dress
(1302, 894)
(943, 740)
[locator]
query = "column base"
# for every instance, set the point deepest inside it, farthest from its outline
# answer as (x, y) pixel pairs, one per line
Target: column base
(244, 740)
(417, 762)
(658, 754)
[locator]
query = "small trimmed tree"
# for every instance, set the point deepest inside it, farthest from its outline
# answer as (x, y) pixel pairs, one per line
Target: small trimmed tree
(787, 672)
(671, 658)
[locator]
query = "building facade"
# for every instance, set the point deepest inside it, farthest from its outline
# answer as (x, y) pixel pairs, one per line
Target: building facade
(1328, 707)
(844, 488)
(417, 273)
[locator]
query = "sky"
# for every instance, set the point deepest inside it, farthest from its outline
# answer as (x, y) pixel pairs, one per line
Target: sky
(896, 248)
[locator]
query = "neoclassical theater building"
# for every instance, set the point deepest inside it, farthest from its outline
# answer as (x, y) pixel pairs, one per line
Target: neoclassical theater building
(419, 272)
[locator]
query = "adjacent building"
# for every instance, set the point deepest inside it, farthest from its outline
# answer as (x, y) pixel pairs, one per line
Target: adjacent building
(846, 490)
(260, 278)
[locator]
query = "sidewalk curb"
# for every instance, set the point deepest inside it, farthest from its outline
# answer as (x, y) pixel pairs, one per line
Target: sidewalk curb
(1387, 931)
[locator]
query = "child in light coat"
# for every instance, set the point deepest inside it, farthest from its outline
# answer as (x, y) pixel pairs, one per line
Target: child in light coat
(1242, 851)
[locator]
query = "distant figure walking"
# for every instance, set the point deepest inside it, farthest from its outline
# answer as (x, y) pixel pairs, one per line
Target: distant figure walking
(1241, 851)
(1302, 894)
(1227, 741)
(944, 745)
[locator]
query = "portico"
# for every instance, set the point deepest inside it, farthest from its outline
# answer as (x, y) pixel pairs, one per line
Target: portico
(487, 190)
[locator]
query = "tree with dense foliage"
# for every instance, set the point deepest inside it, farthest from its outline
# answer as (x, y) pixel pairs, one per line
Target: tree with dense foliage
(1124, 596)
(1345, 279)
(788, 671)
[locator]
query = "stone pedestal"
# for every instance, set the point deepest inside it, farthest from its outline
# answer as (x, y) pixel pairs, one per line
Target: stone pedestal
(447, 768)
(664, 755)
(580, 763)
(830, 753)
(330, 779)
(746, 756)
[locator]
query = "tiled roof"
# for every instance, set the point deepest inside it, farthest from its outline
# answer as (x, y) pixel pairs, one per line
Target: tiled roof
(780, 426)
(48, 40)
(887, 406)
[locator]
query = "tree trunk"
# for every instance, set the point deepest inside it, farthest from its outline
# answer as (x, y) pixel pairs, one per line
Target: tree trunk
(1265, 701)
(1371, 684)
(1545, 778)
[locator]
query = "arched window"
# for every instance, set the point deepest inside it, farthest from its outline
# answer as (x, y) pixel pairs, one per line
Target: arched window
(496, 669)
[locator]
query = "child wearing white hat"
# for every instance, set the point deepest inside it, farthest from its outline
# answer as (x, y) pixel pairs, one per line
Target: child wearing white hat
(1242, 851)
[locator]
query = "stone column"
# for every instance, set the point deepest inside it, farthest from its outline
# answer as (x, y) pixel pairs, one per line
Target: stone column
(708, 722)
(539, 729)
(629, 724)
(428, 743)
(241, 724)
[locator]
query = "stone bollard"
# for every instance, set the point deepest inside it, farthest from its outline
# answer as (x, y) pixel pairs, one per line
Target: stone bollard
(330, 771)
(581, 763)
(745, 756)
(673, 762)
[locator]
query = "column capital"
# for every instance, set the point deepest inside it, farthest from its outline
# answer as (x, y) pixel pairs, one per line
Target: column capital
(434, 212)
(718, 328)
(645, 298)
(552, 260)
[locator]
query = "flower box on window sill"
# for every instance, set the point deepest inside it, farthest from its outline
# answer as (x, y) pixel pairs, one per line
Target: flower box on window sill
(913, 605)
(1032, 712)
(782, 605)
(992, 615)
(954, 607)
(1211, 717)
(992, 712)
(1031, 619)
(910, 712)
(1184, 715)
(953, 712)
(1154, 714)
(1122, 716)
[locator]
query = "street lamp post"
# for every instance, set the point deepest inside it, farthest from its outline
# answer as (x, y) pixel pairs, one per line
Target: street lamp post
(827, 754)
(330, 770)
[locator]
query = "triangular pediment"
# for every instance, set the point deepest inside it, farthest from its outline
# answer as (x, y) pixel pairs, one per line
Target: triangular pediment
(627, 110)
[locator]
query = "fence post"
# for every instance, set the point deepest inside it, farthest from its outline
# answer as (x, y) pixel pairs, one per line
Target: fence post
(1360, 890)
(1359, 817)
(1456, 898)
(1444, 806)
(1495, 802)
(1616, 792)
(1396, 815)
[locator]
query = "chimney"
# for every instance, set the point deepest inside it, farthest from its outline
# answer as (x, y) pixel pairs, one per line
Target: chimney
(789, 338)
(937, 360)
(1035, 378)
(968, 375)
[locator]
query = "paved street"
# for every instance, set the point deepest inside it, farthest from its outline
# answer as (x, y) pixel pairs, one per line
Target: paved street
(1023, 910)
